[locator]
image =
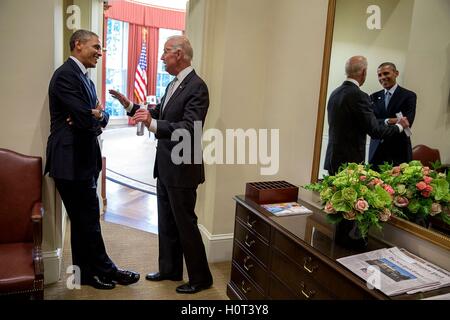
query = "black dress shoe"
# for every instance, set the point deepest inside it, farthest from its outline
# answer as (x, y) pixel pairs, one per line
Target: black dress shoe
(99, 283)
(124, 277)
(156, 276)
(192, 288)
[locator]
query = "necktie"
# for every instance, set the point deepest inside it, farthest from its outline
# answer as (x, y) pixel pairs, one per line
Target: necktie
(386, 99)
(170, 91)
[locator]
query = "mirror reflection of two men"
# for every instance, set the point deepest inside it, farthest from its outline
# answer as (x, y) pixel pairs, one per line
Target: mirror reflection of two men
(352, 115)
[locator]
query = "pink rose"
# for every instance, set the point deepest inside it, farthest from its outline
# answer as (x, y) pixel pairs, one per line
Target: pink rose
(349, 215)
(427, 179)
(436, 208)
(426, 171)
(375, 182)
(401, 202)
(429, 188)
(425, 193)
(385, 215)
(421, 186)
(362, 178)
(389, 189)
(329, 208)
(361, 205)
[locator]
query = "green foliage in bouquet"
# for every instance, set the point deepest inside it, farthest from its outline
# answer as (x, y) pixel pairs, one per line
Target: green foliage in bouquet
(420, 192)
(356, 193)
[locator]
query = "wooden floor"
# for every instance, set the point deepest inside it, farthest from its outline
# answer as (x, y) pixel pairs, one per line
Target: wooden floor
(131, 208)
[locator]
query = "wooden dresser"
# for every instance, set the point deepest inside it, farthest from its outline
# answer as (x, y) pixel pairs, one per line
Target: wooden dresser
(292, 257)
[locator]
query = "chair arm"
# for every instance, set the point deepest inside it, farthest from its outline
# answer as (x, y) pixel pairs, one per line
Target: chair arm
(36, 218)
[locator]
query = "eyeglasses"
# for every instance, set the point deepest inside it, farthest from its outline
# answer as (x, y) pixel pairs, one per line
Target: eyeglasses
(166, 51)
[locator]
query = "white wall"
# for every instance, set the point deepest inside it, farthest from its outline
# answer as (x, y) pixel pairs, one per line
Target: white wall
(262, 62)
(27, 62)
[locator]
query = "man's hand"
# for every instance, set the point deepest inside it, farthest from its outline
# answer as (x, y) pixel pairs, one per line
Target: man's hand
(122, 99)
(98, 111)
(404, 122)
(143, 115)
(392, 121)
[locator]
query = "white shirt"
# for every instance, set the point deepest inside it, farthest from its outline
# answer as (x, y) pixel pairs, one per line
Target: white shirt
(180, 77)
(79, 64)
(353, 81)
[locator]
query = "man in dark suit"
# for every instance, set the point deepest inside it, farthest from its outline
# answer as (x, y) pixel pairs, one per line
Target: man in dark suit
(386, 104)
(182, 108)
(350, 119)
(74, 160)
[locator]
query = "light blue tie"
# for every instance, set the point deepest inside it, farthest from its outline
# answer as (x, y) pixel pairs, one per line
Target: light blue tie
(387, 98)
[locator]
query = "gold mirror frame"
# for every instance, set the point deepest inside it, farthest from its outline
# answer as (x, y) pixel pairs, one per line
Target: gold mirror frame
(426, 234)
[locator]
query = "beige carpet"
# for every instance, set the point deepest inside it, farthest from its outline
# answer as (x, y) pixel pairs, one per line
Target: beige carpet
(135, 250)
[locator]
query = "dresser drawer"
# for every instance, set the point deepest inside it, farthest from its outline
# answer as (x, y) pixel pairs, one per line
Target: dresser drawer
(253, 222)
(278, 291)
(248, 240)
(303, 286)
(244, 286)
(252, 269)
(318, 271)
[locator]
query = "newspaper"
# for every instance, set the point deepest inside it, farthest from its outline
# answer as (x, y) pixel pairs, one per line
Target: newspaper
(396, 271)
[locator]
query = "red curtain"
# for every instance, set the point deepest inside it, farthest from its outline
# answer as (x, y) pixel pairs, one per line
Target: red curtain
(139, 17)
(146, 15)
(134, 51)
(152, 62)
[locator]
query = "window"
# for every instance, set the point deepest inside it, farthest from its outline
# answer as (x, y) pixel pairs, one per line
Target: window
(116, 65)
(163, 78)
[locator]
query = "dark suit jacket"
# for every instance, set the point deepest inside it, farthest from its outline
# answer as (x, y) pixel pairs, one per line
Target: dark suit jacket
(396, 149)
(188, 104)
(350, 119)
(73, 152)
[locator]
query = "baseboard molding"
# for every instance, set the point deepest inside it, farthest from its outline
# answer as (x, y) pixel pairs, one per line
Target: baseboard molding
(218, 247)
(52, 266)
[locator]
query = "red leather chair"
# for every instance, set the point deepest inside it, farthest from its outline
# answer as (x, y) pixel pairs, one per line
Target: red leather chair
(425, 155)
(21, 264)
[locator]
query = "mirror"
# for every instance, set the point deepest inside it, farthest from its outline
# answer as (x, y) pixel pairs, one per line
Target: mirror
(413, 34)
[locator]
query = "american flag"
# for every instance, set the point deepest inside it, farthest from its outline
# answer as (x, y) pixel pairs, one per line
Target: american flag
(140, 78)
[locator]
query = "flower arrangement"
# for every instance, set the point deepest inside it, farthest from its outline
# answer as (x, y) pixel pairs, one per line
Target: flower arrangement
(368, 197)
(420, 192)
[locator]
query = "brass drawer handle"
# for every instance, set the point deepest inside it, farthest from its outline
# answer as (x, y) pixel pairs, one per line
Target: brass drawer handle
(309, 294)
(247, 243)
(247, 267)
(308, 260)
(250, 224)
(245, 290)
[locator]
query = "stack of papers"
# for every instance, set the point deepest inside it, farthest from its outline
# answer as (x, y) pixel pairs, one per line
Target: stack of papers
(286, 208)
(396, 271)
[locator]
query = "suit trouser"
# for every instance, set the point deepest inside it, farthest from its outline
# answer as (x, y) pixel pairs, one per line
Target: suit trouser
(178, 234)
(82, 206)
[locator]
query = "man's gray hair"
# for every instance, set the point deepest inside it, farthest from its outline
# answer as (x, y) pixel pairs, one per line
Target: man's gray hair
(82, 36)
(182, 42)
(355, 66)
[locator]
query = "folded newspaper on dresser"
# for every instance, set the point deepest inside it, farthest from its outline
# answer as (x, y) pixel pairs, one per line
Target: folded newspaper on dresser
(396, 271)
